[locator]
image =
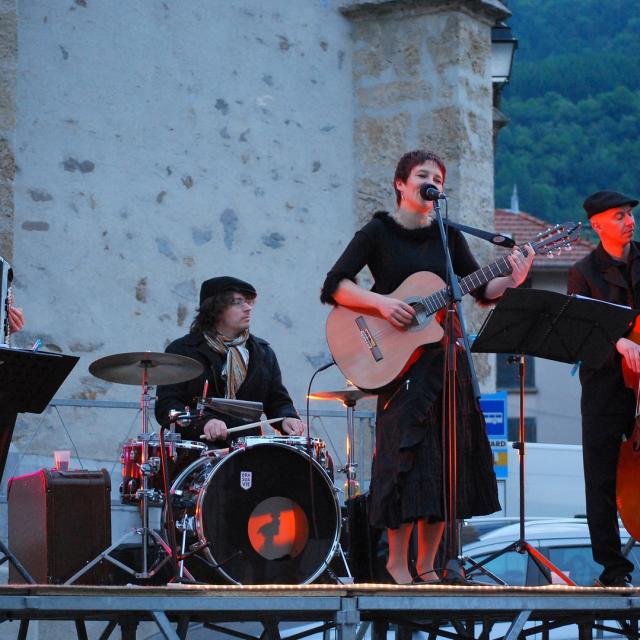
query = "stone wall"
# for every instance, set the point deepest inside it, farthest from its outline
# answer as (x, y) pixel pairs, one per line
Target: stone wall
(422, 80)
(161, 143)
(8, 64)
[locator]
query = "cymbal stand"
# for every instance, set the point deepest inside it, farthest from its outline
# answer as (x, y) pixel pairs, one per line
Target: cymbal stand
(180, 572)
(350, 469)
(147, 468)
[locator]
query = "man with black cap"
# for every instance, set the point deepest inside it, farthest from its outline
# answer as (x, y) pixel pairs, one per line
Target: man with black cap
(238, 365)
(610, 272)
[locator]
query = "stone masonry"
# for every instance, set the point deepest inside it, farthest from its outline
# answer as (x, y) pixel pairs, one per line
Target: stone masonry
(161, 143)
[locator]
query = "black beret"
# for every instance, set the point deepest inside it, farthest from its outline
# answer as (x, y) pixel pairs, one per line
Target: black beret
(603, 200)
(215, 286)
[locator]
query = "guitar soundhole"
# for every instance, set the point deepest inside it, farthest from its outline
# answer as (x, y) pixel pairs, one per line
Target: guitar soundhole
(422, 316)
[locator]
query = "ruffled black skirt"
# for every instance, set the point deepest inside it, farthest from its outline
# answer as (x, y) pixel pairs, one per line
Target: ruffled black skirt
(407, 481)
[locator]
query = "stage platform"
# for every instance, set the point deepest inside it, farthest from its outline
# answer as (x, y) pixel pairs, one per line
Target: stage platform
(453, 612)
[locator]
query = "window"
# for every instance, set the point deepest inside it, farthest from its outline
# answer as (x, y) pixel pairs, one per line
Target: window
(530, 429)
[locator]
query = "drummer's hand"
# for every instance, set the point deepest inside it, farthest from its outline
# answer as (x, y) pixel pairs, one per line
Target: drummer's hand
(16, 319)
(293, 427)
(215, 430)
(630, 351)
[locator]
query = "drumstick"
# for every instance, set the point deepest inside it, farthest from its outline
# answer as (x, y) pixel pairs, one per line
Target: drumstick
(251, 425)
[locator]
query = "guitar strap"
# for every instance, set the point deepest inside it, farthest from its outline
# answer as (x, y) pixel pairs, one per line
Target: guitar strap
(494, 238)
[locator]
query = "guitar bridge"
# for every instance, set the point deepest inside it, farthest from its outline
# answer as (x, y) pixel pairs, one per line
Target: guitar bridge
(368, 339)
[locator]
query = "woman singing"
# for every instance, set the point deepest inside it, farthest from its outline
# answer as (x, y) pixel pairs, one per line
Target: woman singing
(406, 489)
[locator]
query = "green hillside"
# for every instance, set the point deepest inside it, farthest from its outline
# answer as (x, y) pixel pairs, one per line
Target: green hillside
(574, 105)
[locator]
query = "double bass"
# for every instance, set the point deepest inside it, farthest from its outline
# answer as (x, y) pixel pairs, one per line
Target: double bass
(628, 472)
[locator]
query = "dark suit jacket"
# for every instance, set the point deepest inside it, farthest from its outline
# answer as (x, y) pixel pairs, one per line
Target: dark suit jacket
(599, 276)
(262, 384)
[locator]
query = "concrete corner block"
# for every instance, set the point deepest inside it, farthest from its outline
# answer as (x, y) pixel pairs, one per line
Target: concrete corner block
(8, 37)
(394, 93)
(382, 140)
(7, 161)
(489, 10)
(373, 195)
(7, 98)
(457, 134)
(6, 221)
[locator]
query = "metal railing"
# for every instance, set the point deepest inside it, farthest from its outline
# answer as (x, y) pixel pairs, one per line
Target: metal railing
(28, 456)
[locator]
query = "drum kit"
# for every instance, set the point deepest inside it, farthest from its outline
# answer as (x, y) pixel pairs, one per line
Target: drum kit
(264, 511)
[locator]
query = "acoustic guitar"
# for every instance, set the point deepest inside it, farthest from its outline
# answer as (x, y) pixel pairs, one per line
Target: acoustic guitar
(371, 352)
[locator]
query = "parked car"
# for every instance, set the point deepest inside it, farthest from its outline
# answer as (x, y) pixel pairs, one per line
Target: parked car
(565, 542)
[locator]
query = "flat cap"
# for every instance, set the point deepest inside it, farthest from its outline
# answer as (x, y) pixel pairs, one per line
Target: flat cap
(215, 286)
(603, 200)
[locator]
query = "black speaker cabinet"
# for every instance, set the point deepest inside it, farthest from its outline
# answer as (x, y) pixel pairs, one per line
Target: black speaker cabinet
(58, 522)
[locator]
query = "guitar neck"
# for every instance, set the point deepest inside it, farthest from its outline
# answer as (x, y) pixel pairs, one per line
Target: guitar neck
(469, 283)
(480, 277)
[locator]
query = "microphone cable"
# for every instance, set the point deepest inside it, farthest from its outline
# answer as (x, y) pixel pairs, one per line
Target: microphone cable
(314, 520)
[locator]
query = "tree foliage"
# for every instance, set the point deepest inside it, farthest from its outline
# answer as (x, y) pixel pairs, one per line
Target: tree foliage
(573, 104)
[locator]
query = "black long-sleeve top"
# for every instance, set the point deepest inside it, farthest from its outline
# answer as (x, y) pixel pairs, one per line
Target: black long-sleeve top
(262, 384)
(393, 253)
(600, 276)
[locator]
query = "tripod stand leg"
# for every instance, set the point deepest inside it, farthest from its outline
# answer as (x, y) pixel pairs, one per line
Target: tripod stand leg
(345, 563)
(543, 563)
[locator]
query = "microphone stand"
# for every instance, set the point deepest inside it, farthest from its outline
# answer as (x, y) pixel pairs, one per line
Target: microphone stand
(453, 567)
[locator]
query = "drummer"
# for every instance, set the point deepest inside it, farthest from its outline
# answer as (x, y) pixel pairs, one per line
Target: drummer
(238, 365)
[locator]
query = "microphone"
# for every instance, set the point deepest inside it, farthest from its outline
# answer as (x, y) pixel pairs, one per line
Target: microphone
(430, 192)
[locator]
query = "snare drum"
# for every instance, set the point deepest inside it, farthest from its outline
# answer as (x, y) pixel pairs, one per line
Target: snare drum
(317, 450)
(184, 454)
(250, 518)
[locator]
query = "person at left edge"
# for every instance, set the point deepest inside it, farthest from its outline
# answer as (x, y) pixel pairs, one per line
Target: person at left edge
(238, 365)
(16, 319)
(8, 420)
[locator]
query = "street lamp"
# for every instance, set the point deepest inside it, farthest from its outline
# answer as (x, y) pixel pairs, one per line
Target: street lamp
(503, 48)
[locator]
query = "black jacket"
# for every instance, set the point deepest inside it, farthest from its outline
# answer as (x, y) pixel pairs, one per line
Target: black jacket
(262, 384)
(599, 276)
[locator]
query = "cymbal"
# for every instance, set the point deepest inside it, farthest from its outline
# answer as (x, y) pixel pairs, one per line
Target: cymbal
(347, 396)
(161, 368)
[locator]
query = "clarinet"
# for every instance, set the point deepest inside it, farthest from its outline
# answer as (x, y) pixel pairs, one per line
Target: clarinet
(6, 299)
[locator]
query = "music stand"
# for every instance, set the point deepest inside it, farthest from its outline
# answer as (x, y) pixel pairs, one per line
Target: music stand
(549, 325)
(28, 382)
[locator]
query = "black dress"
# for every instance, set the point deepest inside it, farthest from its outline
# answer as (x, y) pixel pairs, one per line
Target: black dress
(407, 472)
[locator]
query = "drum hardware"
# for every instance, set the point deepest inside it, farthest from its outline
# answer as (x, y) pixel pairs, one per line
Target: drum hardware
(180, 454)
(246, 524)
(349, 397)
(187, 523)
(313, 447)
(144, 369)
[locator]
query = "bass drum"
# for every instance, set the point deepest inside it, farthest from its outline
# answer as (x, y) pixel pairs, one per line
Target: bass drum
(263, 514)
